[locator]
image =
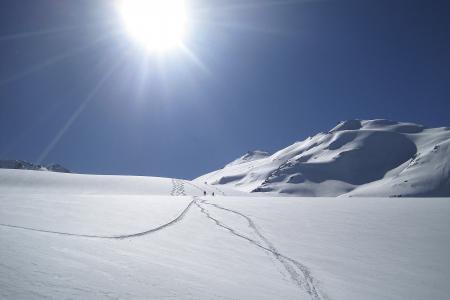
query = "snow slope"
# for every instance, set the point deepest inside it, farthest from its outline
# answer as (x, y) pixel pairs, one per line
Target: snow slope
(107, 237)
(33, 182)
(356, 158)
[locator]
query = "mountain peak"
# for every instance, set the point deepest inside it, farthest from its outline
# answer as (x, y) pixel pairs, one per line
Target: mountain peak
(347, 125)
(249, 156)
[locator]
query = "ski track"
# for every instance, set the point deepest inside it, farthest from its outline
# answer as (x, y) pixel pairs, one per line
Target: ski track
(177, 190)
(117, 237)
(299, 273)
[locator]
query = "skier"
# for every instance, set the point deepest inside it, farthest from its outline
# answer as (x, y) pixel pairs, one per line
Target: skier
(213, 194)
(204, 193)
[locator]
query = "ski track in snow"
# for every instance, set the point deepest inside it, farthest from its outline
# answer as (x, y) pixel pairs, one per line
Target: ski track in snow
(299, 273)
(177, 190)
(118, 237)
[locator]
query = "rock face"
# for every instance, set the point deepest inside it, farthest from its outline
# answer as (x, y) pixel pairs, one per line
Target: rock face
(355, 158)
(23, 165)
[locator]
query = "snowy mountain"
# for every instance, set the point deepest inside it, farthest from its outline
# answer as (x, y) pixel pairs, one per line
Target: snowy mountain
(355, 158)
(23, 165)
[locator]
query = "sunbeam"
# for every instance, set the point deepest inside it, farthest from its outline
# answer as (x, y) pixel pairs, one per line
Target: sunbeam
(240, 26)
(194, 58)
(13, 144)
(78, 111)
(256, 4)
(56, 59)
(30, 34)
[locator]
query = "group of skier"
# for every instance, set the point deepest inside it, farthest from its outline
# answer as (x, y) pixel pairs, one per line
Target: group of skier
(204, 193)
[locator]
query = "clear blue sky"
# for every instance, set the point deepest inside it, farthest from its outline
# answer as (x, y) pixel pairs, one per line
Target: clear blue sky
(266, 74)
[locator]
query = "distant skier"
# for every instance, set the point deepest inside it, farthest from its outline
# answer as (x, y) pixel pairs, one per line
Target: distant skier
(204, 193)
(213, 194)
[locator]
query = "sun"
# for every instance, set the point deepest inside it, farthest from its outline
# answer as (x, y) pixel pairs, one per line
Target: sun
(159, 25)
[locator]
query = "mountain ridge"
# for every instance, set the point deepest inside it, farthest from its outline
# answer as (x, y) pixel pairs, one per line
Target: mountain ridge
(355, 158)
(24, 165)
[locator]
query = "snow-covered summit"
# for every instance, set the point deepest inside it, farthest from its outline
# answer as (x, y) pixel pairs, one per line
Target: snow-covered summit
(248, 157)
(23, 165)
(378, 124)
(355, 158)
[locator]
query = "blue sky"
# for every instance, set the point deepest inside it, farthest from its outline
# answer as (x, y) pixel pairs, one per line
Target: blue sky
(77, 90)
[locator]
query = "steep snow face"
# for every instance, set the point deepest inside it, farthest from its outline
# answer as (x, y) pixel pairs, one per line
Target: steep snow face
(23, 165)
(356, 158)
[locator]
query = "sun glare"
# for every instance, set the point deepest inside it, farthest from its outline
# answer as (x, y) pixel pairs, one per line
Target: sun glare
(159, 25)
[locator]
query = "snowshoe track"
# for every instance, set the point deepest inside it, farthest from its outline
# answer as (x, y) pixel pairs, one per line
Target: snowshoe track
(177, 188)
(299, 273)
